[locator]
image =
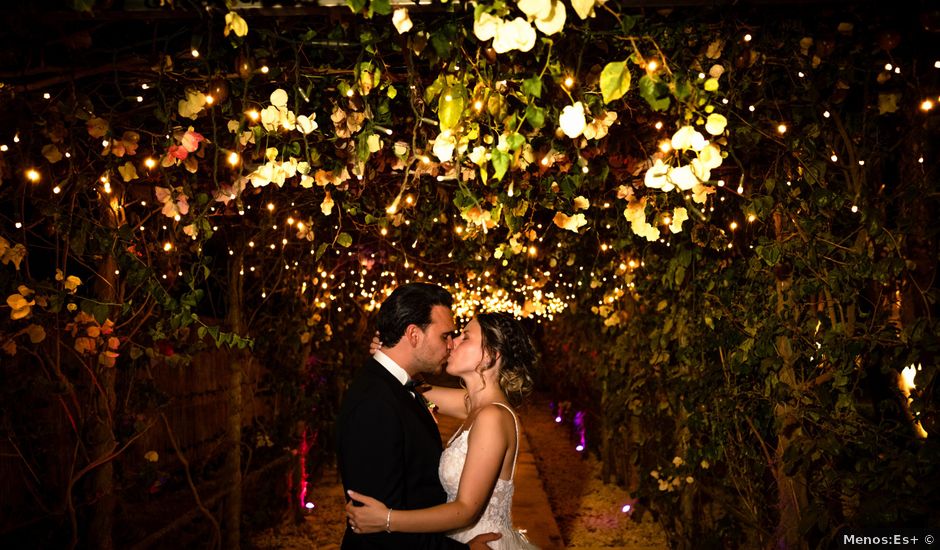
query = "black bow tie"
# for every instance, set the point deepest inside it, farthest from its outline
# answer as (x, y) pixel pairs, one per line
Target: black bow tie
(412, 386)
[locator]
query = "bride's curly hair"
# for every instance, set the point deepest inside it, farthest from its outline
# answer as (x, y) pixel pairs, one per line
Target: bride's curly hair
(504, 337)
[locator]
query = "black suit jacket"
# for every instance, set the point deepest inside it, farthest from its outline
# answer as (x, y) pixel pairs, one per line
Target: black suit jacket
(389, 448)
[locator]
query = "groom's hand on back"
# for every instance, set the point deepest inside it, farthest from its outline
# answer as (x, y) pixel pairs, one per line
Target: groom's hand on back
(479, 542)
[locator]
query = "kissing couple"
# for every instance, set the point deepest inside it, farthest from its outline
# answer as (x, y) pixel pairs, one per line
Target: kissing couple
(405, 490)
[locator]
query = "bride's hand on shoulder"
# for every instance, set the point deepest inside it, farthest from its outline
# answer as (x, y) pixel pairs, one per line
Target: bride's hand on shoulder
(375, 344)
(369, 518)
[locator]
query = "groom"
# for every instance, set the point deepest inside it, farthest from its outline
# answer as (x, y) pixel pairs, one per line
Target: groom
(388, 443)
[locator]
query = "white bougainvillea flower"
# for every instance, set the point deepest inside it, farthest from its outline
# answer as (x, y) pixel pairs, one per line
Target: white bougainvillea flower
(191, 106)
(327, 205)
(688, 138)
(517, 34)
(571, 223)
(572, 121)
(700, 193)
(270, 118)
(374, 142)
(191, 230)
(715, 124)
(716, 71)
(656, 177)
(402, 20)
(700, 170)
(485, 26)
(682, 177)
(585, 8)
(555, 20)
(171, 207)
(710, 156)
(235, 23)
(536, 9)
(478, 155)
(581, 203)
(191, 140)
(678, 217)
(599, 127)
(279, 98)
(444, 146)
(307, 124)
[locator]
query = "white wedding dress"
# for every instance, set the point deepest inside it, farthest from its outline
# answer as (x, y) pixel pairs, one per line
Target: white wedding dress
(496, 517)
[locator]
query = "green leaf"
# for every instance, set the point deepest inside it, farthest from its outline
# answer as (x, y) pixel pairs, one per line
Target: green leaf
(532, 86)
(515, 141)
(500, 162)
(321, 250)
(535, 116)
(344, 240)
(615, 81)
(382, 7)
(450, 106)
(201, 332)
(654, 92)
(356, 5)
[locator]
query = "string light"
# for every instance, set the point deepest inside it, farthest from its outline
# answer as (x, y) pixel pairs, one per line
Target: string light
(233, 158)
(271, 207)
(253, 115)
(569, 82)
(194, 52)
(209, 99)
(781, 128)
(149, 162)
(33, 175)
(926, 105)
(167, 246)
(264, 69)
(747, 37)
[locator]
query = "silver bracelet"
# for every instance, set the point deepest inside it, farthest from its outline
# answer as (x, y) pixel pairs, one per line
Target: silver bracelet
(388, 521)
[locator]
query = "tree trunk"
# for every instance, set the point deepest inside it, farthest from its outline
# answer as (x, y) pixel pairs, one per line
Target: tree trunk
(100, 431)
(791, 489)
(231, 515)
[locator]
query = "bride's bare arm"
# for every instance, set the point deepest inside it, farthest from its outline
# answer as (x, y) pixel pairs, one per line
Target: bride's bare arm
(489, 440)
(449, 401)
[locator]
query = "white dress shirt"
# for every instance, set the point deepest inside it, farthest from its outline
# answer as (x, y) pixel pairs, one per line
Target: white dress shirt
(392, 367)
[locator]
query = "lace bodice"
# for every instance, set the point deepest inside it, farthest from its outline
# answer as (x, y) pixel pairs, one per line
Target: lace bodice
(496, 518)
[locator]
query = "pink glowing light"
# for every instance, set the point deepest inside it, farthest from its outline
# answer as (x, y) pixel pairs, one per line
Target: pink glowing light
(579, 448)
(558, 419)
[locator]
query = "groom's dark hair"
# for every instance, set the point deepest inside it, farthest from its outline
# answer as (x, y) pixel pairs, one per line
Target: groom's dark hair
(409, 304)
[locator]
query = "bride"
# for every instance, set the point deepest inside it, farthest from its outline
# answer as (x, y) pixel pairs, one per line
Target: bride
(491, 357)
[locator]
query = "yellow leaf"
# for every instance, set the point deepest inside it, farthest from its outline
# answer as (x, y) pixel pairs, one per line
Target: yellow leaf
(9, 347)
(52, 153)
(36, 333)
(128, 172)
